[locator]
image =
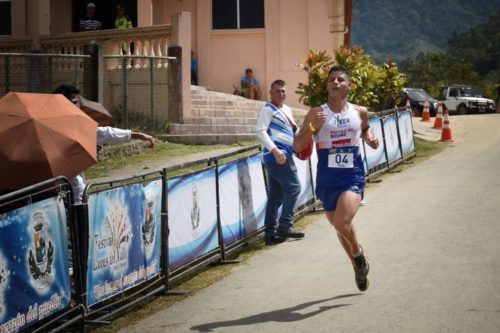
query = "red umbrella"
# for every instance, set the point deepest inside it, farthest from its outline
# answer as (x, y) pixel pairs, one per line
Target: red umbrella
(43, 136)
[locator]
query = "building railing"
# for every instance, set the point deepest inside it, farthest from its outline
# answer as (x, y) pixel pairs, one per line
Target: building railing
(15, 44)
(144, 41)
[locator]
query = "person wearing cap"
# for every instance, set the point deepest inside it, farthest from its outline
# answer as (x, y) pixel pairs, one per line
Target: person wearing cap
(90, 23)
(250, 87)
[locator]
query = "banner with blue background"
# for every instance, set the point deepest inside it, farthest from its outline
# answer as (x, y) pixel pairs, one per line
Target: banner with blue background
(375, 157)
(34, 267)
(406, 132)
(392, 139)
(304, 175)
(242, 198)
(192, 217)
(124, 239)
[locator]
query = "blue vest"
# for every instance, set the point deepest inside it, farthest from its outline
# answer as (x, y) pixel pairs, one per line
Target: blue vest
(281, 132)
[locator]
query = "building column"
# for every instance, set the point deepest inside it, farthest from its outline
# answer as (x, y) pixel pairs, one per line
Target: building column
(181, 35)
(18, 11)
(272, 23)
(38, 16)
(144, 13)
(203, 45)
(336, 14)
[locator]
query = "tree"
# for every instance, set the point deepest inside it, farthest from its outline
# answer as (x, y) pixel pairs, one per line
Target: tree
(376, 87)
(433, 70)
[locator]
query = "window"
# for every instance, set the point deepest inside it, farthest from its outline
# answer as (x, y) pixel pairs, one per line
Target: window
(5, 19)
(237, 14)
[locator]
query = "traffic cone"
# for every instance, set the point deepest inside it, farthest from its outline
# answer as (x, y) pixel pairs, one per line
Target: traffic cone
(408, 107)
(426, 115)
(438, 122)
(446, 131)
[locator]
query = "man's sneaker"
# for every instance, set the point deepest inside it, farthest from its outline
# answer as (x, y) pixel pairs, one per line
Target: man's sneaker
(273, 239)
(289, 233)
(361, 269)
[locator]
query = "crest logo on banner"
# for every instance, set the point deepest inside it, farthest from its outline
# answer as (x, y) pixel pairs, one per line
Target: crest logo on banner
(42, 255)
(148, 227)
(195, 210)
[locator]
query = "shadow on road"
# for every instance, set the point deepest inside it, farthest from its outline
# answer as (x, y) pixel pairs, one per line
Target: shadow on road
(283, 315)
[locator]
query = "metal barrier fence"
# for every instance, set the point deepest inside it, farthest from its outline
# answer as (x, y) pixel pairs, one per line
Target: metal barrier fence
(36, 225)
(41, 73)
(137, 236)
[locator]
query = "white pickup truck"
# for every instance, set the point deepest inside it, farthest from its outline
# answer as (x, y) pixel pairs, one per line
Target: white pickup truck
(463, 99)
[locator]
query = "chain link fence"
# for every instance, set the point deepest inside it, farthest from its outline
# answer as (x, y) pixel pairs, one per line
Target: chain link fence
(42, 73)
(136, 91)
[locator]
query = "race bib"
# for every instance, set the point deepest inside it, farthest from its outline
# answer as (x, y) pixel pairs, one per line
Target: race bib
(343, 160)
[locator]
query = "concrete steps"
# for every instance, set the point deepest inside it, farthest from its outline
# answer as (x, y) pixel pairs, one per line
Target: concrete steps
(219, 118)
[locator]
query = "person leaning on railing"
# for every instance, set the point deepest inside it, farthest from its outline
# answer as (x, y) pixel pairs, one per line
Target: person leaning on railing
(122, 22)
(90, 23)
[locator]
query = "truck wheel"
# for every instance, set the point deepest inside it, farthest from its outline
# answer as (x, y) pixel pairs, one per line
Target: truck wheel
(462, 110)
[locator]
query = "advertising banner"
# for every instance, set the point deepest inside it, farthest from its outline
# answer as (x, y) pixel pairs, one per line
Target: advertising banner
(124, 239)
(242, 198)
(391, 139)
(34, 267)
(305, 180)
(375, 157)
(192, 216)
(406, 132)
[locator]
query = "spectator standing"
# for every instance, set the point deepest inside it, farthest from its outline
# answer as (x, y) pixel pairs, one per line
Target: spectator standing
(90, 23)
(275, 130)
(122, 21)
(194, 69)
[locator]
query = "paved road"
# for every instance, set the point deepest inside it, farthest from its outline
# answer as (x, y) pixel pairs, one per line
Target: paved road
(431, 232)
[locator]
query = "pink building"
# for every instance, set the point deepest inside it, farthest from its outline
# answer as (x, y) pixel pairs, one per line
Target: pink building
(270, 36)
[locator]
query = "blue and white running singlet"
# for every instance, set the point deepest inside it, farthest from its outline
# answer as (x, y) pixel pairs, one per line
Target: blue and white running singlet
(339, 161)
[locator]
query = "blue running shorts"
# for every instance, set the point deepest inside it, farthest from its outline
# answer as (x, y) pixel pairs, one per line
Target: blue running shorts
(330, 195)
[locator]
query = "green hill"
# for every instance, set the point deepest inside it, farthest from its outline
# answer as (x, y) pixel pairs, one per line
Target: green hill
(396, 29)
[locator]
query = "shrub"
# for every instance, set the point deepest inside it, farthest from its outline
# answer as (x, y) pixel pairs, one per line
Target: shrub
(376, 87)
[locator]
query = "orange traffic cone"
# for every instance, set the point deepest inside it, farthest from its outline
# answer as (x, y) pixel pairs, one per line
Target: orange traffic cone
(426, 115)
(446, 131)
(438, 122)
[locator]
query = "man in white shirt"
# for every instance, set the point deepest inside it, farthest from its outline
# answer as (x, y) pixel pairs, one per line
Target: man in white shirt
(105, 135)
(275, 130)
